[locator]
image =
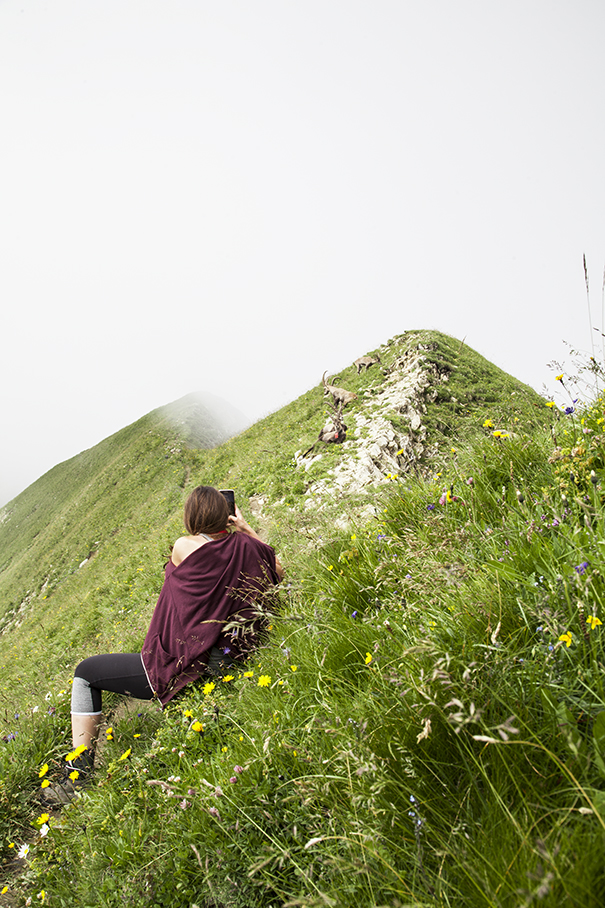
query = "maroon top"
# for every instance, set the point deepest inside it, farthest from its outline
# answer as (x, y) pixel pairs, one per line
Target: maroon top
(208, 600)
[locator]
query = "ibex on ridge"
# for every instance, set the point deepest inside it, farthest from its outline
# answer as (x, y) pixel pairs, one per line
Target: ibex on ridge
(334, 432)
(365, 362)
(341, 396)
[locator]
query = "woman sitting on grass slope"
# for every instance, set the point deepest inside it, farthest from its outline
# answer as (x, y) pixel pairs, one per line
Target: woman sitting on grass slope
(207, 617)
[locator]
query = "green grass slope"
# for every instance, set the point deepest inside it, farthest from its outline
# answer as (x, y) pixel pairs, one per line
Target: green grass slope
(81, 550)
(425, 723)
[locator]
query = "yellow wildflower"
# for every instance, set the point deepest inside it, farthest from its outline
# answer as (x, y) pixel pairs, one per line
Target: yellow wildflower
(264, 681)
(550, 403)
(126, 754)
(208, 688)
(188, 714)
(248, 674)
(488, 424)
(42, 819)
(566, 639)
(593, 621)
(368, 658)
(74, 775)
(228, 678)
(45, 783)
(197, 726)
(43, 771)
(559, 377)
(293, 668)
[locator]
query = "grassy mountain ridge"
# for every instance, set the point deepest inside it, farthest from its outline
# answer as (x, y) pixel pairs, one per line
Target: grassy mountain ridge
(425, 723)
(94, 532)
(134, 479)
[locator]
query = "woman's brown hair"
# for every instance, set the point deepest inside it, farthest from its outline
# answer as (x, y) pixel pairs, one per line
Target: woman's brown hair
(206, 511)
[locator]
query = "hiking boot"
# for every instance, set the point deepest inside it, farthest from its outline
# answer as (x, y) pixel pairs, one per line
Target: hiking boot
(76, 774)
(57, 794)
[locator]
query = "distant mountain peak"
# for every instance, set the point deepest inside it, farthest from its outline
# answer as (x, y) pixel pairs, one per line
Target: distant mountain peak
(202, 421)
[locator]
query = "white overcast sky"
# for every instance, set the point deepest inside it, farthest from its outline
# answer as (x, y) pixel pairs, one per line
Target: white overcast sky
(235, 196)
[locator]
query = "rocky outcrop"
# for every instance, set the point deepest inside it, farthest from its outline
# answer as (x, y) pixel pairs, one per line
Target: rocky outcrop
(389, 437)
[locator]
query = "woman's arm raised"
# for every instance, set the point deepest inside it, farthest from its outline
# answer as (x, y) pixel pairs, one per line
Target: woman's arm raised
(241, 526)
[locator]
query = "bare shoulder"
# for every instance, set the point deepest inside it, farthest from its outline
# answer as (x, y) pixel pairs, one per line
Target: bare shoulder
(184, 546)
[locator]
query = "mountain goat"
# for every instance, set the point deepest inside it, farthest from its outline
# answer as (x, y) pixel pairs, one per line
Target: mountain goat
(340, 395)
(334, 431)
(365, 362)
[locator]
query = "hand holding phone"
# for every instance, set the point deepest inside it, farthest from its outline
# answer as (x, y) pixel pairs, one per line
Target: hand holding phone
(229, 496)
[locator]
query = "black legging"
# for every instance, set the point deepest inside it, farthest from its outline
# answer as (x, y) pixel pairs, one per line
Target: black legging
(122, 673)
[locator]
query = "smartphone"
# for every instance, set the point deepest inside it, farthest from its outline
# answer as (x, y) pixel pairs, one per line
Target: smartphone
(229, 496)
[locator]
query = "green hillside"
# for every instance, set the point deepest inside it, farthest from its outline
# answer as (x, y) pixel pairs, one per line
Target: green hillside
(417, 729)
(82, 549)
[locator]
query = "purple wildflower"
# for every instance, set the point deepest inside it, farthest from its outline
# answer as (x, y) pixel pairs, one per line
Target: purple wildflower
(354, 614)
(430, 507)
(581, 568)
